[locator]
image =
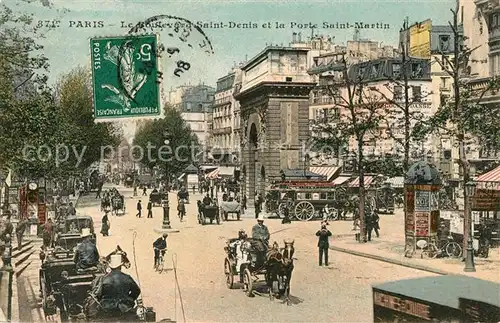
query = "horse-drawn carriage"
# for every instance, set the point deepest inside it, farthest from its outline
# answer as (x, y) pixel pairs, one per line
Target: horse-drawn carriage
(63, 287)
(73, 225)
(208, 212)
(308, 199)
(245, 260)
(230, 207)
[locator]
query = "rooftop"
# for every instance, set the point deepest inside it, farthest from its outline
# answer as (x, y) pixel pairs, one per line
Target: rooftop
(262, 55)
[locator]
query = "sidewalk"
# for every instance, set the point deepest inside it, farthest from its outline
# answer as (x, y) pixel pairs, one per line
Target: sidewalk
(390, 248)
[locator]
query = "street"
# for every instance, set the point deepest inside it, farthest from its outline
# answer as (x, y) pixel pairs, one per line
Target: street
(339, 293)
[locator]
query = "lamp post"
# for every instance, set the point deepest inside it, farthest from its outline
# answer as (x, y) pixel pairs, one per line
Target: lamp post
(166, 227)
(470, 188)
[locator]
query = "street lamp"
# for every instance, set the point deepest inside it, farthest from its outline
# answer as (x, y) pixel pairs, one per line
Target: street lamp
(470, 189)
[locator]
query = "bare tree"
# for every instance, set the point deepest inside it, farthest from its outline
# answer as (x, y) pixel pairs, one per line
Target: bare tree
(361, 112)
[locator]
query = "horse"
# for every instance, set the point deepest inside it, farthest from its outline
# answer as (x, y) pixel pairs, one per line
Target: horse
(279, 270)
(285, 273)
(273, 264)
(118, 251)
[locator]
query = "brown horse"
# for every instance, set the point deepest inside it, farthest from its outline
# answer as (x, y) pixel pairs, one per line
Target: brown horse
(118, 251)
(279, 270)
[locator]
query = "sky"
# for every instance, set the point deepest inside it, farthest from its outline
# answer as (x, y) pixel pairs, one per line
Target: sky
(67, 45)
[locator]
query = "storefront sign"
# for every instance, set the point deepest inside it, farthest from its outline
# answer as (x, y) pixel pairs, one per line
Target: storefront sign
(402, 305)
(422, 224)
(42, 215)
(410, 222)
(486, 200)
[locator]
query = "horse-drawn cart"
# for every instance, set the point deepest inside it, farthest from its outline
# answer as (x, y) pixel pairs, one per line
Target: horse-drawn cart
(157, 198)
(230, 207)
(208, 212)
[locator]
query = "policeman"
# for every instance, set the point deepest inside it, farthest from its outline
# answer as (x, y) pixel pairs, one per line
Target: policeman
(86, 254)
(119, 291)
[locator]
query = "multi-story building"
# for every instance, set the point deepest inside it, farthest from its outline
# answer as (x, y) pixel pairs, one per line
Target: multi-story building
(225, 136)
(196, 110)
(324, 70)
(481, 26)
(175, 95)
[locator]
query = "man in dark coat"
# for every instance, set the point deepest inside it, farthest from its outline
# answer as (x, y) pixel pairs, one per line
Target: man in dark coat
(20, 229)
(375, 224)
(160, 245)
(86, 254)
(257, 204)
(71, 209)
(323, 234)
(207, 200)
(118, 291)
(368, 226)
(139, 209)
(150, 209)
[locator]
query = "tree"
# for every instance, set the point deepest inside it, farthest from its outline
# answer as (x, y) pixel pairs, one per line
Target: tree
(361, 116)
(173, 157)
(463, 116)
(73, 95)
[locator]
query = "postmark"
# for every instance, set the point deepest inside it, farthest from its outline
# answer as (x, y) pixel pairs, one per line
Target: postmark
(183, 39)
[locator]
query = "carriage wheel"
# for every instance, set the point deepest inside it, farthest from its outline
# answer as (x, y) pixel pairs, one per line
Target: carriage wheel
(304, 211)
(281, 210)
(229, 274)
(248, 283)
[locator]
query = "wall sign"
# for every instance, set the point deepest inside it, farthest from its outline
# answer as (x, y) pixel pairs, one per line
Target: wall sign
(402, 305)
(422, 201)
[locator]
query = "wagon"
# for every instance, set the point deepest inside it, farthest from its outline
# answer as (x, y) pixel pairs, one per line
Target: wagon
(232, 208)
(156, 198)
(210, 212)
(308, 199)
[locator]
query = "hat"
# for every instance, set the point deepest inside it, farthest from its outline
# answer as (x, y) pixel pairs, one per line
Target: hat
(86, 232)
(115, 261)
(260, 218)
(165, 235)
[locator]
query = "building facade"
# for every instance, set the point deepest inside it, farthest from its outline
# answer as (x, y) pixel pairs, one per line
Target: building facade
(195, 105)
(274, 104)
(225, 132)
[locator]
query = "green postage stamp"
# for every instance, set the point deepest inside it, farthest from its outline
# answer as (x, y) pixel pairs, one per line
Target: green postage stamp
(125, 76)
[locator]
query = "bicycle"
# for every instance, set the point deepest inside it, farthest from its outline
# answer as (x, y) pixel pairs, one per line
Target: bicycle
(330, 214)
(450, 249)
(160, 261)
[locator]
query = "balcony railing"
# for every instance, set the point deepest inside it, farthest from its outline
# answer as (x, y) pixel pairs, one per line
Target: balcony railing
(324, 99)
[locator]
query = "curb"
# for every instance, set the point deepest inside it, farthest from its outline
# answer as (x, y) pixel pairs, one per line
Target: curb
(392, 261)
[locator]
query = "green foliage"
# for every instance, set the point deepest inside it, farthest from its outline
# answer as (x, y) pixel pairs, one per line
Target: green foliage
(173, 157)
(390, 166)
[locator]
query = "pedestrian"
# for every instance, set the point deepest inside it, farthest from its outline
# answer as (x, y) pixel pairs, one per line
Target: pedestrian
(105, 225)
(47, 233)
(144, 191)
(98, 195)
(135, 190)
(71, 209)
(323, 234)
(286, 214)
(375, 223)
(257, 205)
(139, 209)
(368, 227)
(20, 229)
(194, 190)
(150, 209)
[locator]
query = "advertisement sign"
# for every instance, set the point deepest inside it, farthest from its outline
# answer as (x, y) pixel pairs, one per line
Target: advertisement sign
(410, 201)
(125, 77)
(422, 224)
(410, 223)
(420, 40)
(42, 213)
(422, 201)
(486, 200)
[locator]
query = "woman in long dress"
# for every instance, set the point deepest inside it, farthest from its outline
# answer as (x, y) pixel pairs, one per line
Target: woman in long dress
(105, 225)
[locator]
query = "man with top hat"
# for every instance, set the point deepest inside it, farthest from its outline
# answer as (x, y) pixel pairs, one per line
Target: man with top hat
(118, 291)
(260, 235)
(86, 254)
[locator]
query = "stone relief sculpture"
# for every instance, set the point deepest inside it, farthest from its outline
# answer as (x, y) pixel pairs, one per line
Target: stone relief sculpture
(261, 139)
(244, 131)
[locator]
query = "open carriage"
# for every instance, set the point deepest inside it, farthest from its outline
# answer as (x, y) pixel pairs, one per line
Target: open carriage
(308, 199)
(230, 207)
(253, 267)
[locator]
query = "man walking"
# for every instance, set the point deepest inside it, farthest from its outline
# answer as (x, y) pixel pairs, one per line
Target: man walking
(323, 234)
(144, 191)
(139, 209)
(150, 209)
(20, 228)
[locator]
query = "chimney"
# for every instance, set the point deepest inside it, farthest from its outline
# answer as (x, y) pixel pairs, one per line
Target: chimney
(300, 38)
(294, 37)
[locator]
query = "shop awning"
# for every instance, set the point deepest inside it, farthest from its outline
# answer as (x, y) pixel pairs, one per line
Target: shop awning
(226, 171)
(489, 180)
(213, 174)
(327, 171)
(341, 180)
(396, 182)
(368, 180)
